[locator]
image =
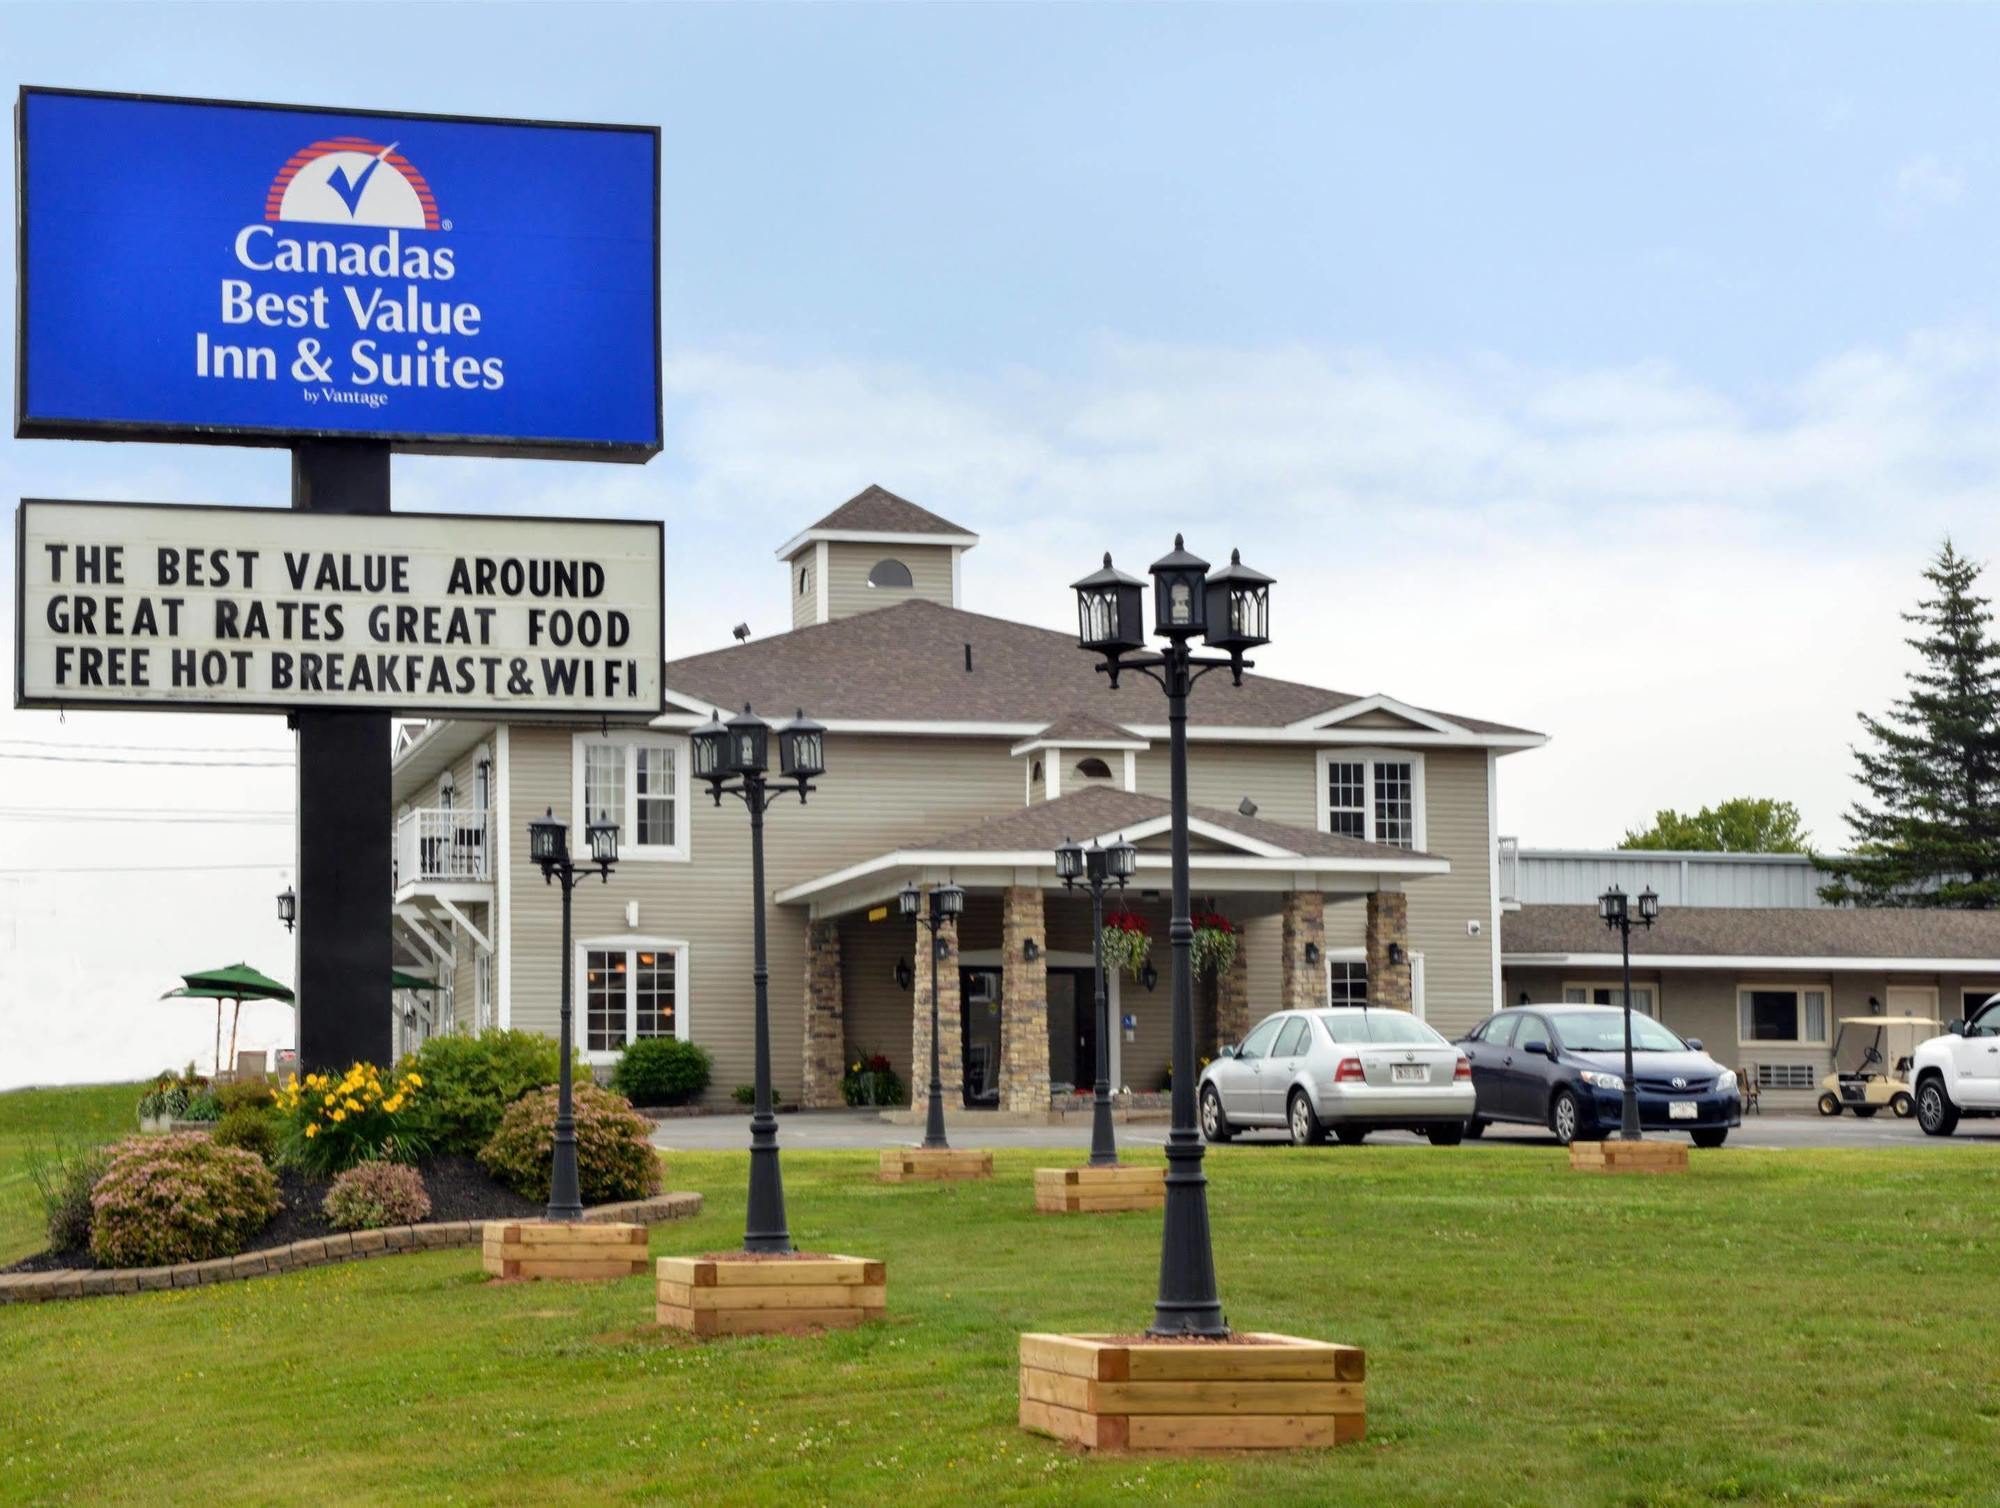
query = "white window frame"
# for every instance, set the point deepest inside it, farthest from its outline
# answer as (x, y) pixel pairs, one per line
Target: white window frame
(682, 848)
(1783, 987)
(628, 943)
(1331, 956)
(1617, 989)
(482, 991)
(1370, 758)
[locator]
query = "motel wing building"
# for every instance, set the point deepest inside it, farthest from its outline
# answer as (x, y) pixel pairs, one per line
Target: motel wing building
(1351, 839)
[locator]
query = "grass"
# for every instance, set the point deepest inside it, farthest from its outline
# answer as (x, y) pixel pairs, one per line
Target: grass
(39, 1119)
(1775, 1327)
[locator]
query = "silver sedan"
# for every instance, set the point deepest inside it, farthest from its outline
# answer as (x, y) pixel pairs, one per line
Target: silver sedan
(1345, 1070)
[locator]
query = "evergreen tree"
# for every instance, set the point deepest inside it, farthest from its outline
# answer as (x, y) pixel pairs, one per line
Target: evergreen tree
(1928, 833)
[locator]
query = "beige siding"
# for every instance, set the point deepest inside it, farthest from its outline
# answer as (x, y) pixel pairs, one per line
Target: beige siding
(848, 565)
(805, 598)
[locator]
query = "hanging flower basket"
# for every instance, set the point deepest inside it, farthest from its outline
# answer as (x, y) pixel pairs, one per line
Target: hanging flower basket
(1214, 948)
(1127, 942)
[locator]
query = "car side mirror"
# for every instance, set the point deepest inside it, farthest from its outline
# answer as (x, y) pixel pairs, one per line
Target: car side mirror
(1227, 1050)
(1546, 1049)
(1957, 1028)
(1694, 1044)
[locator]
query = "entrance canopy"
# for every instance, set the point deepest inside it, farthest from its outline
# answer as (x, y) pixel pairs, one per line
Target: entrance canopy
(1227, 852)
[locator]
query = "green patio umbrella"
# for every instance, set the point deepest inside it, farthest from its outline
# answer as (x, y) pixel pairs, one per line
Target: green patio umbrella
(398, 980)
(237, 982)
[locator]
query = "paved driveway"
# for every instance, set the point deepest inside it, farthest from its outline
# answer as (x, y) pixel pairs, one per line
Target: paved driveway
(863, 1129)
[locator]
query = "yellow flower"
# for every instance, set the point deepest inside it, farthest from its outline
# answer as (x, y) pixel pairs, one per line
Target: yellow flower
(329, 1101)
(417, 1079)
(339, 1115)
(393, 1103)
(353, 1104)
(311, 1132)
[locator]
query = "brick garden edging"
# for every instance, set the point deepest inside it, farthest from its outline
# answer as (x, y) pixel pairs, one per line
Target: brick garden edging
(316, 1251)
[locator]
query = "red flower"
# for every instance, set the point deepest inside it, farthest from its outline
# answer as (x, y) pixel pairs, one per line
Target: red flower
(878, 1062)
(1213, 921)
(1127, 921)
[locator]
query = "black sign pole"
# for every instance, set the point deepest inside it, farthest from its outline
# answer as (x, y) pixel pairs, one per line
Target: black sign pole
(344, 886)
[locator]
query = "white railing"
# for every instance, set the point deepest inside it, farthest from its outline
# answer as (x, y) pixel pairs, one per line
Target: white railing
(436, 844)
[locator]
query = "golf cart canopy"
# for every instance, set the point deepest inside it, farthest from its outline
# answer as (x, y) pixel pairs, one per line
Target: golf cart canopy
(1890, 1021)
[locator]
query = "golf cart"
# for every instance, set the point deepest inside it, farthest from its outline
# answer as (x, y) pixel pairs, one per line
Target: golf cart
(1874, 1083)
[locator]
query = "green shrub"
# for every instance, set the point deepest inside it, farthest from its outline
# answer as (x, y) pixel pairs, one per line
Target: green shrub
(744, 1094)
(250, 1128)
(170, 1093)
(661, 1071)
(871, 1081)
(201, 1106)
(178, 1199)
(614, 1151)
(370, 1195)
(470, 1080)
(247, 1094)
(64, 1177)
(327, 1123)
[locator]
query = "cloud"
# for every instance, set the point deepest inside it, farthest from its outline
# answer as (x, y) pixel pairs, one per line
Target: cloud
(1691, 590)
(1923, 183)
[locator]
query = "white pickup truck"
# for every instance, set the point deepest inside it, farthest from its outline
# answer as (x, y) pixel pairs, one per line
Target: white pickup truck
(1959, 1073)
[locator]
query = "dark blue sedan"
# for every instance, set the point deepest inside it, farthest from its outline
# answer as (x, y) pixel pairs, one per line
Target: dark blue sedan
(1562, 1066)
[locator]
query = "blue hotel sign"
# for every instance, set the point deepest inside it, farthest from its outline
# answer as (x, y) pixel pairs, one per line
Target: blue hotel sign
(260, 274)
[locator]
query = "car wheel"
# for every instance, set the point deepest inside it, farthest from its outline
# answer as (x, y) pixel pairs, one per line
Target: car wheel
(1214, 1124)
(1446, 1136)
(1565, 1117)
(1711, 1138)
(1864, 1112)
(1828, 1105)
(1935, 1111)
(1476, 1128)
(1304, 1120)
(1903, 1105)
(1350, 1136)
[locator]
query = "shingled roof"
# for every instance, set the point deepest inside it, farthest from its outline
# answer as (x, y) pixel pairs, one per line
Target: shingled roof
(1760, 932)
(907, 663)
(1099, 810)
(877, 510)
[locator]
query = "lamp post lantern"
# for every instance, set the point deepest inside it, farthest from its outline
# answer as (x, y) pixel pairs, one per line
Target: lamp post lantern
(1096, 867)
(288, 907)
(734, 758)
(946, 902)
(1614, 906)
(548, 846)
(1231, 611)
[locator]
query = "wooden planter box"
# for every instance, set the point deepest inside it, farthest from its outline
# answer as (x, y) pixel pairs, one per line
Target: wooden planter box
(563, 1249)
(1271, 1392)
(1615, 1156)
(748, 1296)
(911, 1164)
(1077, 1191)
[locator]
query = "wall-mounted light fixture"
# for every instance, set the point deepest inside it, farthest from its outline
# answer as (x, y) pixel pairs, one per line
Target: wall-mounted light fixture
(1312, 952)
(1396, 953)
(1031, 950)
(905, 975)
(1149, 977)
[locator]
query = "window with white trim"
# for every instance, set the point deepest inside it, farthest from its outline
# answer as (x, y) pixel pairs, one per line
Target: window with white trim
(482, 992)
(1347, 982)
(1645, 997)
(1781, 1013)
(1373, 794)
(640, 781)
(632, 989)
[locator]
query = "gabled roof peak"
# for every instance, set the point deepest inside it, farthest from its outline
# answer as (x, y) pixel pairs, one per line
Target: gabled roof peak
(877, 513)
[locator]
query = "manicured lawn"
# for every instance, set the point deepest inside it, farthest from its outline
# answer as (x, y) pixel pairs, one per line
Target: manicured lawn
(85, 1116)
(1799, 1327)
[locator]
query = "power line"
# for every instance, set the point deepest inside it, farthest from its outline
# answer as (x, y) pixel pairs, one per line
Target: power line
(210, 819)
(63, 743)
(167, 764)
(141, 811)
(143, 868)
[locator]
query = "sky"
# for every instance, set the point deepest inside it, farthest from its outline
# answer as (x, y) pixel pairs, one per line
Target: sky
(1608, 371)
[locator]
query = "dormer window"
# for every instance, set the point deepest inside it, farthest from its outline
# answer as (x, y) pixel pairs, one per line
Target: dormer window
(805, 580)
(891, 573)
(1093, 768)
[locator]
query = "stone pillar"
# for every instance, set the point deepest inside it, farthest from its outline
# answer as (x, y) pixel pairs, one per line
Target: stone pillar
(1232, 997)
(951, 1030)
(826, 1024)
(1302, 985)
(1388, 922)
(1024, 1002)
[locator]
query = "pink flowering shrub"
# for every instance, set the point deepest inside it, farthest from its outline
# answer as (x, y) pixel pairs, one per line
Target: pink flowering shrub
(178, 1199)
(370, 1195)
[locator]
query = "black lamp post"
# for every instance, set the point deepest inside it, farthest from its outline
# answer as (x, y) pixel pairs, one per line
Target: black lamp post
(1230, 610)
(288, 907)
(947, 901)
(1616, 910)
(548, 846)
(1097, 867)
(734, 759)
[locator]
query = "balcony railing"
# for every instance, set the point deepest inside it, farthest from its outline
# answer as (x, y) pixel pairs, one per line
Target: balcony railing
(442, 845)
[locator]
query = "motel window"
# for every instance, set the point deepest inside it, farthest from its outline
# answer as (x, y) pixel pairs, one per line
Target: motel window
(1347, 982)
(1780, 1013)
(641, 782)
(1644, 999)
(1376, 796)
(632, 989)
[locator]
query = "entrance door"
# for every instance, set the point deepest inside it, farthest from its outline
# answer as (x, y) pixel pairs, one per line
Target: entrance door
(1072, 1028)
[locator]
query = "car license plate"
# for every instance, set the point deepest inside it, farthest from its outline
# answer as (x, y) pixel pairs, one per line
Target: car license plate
(1411, 1073)
(1682, 1110)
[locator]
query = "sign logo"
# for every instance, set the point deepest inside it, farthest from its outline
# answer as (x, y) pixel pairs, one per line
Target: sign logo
(1680, 1083)
(350, 180)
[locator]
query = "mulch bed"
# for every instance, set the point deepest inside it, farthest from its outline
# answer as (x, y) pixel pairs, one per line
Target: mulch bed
(459, 1187)
(1233, 1338)
(765, 1256)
